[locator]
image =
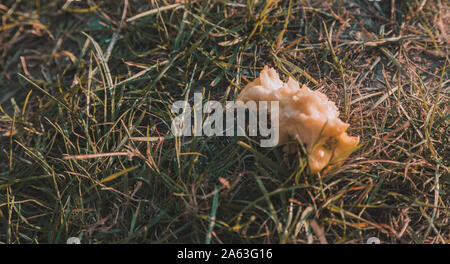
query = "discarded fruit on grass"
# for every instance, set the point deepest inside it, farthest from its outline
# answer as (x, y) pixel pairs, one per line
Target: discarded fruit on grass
(304, 115)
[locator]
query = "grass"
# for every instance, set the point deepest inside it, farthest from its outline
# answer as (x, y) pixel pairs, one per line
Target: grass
(85, 142)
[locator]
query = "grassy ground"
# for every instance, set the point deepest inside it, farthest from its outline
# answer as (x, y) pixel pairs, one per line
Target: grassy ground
(85, 143)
